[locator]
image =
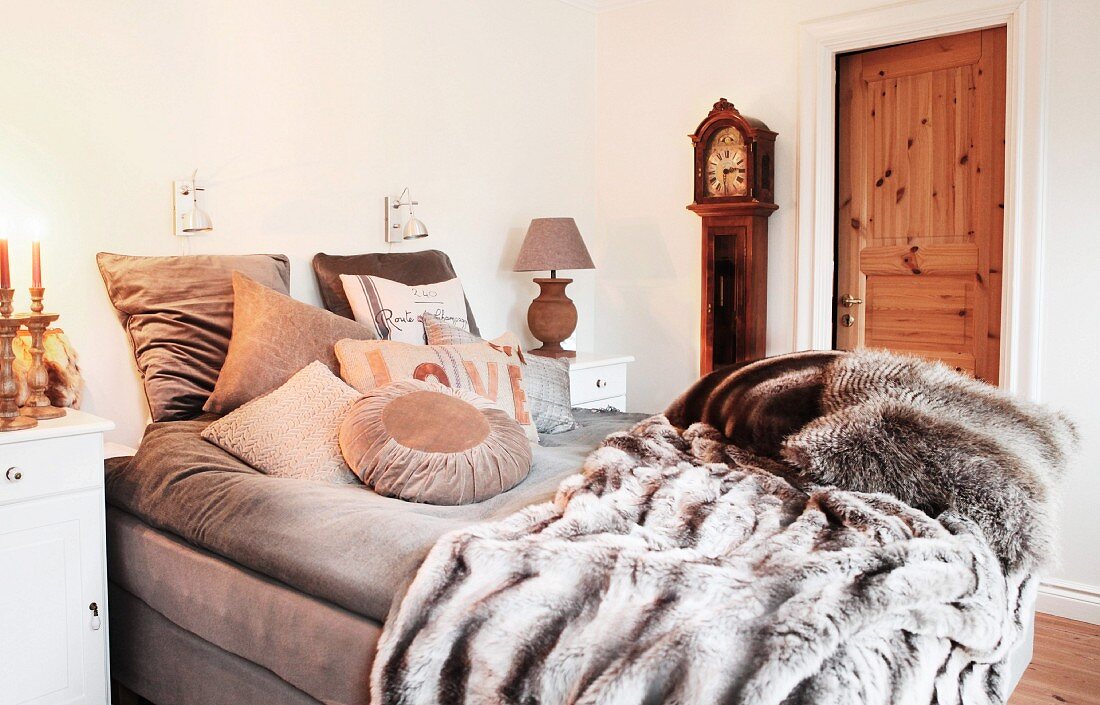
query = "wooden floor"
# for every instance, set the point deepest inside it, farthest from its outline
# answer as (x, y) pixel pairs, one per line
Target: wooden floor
(1066, 665)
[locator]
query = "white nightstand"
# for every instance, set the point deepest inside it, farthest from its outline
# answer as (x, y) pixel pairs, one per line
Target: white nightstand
(53, 647)
(598, 381)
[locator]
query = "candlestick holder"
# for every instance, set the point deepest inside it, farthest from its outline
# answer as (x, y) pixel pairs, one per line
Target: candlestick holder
(38, 405)
(10, 418)
(37, 294)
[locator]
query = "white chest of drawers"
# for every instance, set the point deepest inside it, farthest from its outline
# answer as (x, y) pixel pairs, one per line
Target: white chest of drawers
(598, 381)
(53, 582)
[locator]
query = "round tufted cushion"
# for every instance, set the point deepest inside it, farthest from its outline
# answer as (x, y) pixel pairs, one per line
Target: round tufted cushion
(421, 441)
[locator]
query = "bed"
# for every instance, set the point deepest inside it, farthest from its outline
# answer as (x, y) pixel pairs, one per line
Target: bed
(228, 586)
(222, 594)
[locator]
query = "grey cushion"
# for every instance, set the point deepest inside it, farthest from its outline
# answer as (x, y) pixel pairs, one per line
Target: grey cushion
(409, 268)
(545, 379)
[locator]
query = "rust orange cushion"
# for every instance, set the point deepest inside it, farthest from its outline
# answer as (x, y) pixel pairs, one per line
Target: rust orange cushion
(421, 441)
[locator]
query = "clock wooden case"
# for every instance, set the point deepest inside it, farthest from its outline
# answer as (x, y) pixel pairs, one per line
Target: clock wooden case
(734, 176)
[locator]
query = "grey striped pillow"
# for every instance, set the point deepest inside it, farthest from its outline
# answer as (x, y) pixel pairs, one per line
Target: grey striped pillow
(545, 379)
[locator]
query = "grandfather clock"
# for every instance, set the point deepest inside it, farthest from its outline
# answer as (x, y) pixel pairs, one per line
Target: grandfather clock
(734, 166)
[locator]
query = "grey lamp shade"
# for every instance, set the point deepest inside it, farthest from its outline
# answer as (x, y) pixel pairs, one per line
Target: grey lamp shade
(415, 229)
(553, 243)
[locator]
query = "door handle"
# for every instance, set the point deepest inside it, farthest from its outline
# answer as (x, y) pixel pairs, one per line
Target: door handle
(848, 301)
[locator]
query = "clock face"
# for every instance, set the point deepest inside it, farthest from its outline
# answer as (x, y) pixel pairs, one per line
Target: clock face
(727, 164)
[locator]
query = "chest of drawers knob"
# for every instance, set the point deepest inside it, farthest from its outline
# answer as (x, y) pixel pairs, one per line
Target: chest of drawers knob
(14, 474)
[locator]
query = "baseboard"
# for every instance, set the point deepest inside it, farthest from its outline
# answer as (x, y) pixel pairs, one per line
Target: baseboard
(1071, 600)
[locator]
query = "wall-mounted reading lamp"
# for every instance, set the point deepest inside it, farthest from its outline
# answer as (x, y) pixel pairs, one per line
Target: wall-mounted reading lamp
(412, 229)
(189, 218)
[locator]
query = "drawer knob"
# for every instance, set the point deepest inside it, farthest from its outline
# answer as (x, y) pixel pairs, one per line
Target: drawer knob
(14, 474)
(96, 621)
(601, 383)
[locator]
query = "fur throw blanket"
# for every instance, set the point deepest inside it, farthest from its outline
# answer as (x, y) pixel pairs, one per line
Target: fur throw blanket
(874, 421)
(679, 569)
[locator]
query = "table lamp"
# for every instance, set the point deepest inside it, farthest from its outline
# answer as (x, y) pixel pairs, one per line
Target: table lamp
(552, 244)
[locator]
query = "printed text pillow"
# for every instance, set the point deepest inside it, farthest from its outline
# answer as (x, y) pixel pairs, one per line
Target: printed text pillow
(394, 310)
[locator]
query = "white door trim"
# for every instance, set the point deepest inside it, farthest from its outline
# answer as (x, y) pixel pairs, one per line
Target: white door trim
(1025, 165)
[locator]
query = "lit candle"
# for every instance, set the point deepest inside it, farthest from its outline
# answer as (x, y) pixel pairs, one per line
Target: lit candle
(36, 264)
(5, 270)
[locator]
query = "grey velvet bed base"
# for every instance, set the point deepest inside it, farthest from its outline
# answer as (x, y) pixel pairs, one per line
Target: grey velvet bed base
(189, 627)
(166, 664)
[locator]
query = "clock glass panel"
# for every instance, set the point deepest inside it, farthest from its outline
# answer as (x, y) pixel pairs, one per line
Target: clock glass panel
(727, 164)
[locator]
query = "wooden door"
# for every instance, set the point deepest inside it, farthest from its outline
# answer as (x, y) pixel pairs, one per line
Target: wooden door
(920, 192)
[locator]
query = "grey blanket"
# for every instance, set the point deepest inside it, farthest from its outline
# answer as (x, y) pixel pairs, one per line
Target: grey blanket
(681, 570)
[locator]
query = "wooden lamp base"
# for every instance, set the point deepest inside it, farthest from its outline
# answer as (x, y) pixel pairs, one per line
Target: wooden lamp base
(552, 317)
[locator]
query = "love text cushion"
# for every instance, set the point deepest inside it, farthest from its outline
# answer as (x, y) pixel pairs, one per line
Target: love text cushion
(491, 369)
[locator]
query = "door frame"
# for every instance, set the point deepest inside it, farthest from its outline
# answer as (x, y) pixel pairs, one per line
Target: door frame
(1025, 144)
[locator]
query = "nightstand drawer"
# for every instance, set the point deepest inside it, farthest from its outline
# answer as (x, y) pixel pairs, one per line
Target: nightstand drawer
(596, 383)
(45, 467)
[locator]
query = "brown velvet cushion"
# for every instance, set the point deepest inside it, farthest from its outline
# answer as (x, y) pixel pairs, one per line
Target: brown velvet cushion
(409, 268)
(423, 442)
(178, 312)
(274, 336)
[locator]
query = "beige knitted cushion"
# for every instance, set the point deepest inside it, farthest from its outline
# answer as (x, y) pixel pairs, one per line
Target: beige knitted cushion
(293, 431)
(491, 369)
(424, 442)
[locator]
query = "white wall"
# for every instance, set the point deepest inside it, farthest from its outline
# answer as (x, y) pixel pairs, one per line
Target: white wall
(300, 117)
(1071, 318)
(661, 65)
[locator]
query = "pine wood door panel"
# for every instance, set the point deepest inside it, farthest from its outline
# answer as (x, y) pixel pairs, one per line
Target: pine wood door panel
(919, 58)
(920, 198)
(914, 315)
(917, 260)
